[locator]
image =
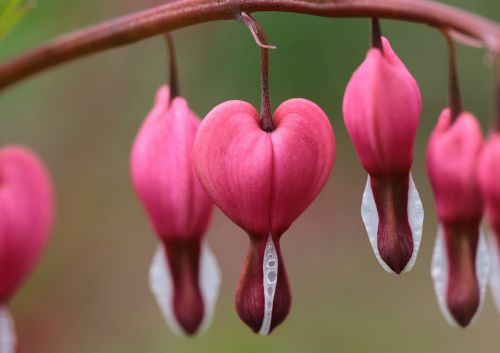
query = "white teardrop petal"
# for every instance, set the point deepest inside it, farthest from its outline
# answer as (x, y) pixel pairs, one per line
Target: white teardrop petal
(369, 215)
(495, 270)
(8, 339)
(370, 218)
(483, 268)
(439, 272)
(269, 281)
(416, 221)
(210, 280)
(160, 281)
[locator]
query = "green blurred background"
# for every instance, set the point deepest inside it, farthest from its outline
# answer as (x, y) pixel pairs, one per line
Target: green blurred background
(90, 291)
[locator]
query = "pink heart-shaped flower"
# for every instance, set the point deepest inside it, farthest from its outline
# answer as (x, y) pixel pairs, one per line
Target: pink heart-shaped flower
(263, 181)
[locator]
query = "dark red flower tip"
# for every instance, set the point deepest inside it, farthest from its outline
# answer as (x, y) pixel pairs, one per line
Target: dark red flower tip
(462, 292)
(394, 234)
(188, 306)
(263, 304)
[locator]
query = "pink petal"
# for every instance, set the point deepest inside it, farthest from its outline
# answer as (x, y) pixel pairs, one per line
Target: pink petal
(233, 158)
(163, 174)
(382, 106)
(303, 153)
(26, 214)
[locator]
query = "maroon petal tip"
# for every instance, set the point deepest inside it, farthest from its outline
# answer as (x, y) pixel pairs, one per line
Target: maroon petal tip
(394, 235)
(261, 312)
(183, 257)
(463, 295)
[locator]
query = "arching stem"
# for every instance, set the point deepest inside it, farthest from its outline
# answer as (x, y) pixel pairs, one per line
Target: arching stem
(266, 117)
(172, 67)
(376, 34)
(454, 97)
(177, 14)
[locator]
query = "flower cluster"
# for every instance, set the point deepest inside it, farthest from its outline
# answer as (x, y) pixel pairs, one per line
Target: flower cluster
(262, 170)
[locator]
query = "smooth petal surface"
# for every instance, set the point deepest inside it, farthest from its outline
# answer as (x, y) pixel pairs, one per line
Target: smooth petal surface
(26, 215)
(382, 106)
(452, 158)
(263, 182)
(233, 158)
(163, 174)
(303, 153)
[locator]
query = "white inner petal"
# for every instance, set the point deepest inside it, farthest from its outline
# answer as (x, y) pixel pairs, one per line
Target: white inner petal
(483, 268)
(8, 339)
(370, 218)
(160, 281)
(495, 269)
(416, 221)
(269, 281)
(439, 272)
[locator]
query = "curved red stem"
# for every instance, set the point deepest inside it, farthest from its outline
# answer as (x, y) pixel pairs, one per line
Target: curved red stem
(132, 28)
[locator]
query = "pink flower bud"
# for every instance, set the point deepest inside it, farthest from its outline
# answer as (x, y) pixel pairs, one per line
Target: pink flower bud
(460, 262)
(263, 182)
(179, 210)
(26, 215)
(489, 181)
(381, 109)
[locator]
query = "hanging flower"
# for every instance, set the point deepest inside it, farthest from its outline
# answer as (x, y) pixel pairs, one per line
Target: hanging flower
(26, 215)
(381, 109)
(263, 181)
(184, 275)
(460, 261)
(489, 181)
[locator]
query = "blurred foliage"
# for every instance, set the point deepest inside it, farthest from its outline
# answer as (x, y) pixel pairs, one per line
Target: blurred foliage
(11, 12)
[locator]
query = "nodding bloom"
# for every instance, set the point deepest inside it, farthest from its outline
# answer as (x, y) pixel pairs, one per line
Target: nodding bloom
(26, 215)
(381, 109)
(263, 181)
(460, 261)
(489, 181)
(184, 275)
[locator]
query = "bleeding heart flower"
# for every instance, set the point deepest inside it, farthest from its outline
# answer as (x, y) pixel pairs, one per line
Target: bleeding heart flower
(381, 109)
(26, 214)
(489, 181)
(184, 275)
(263, 181)
(460, 260)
